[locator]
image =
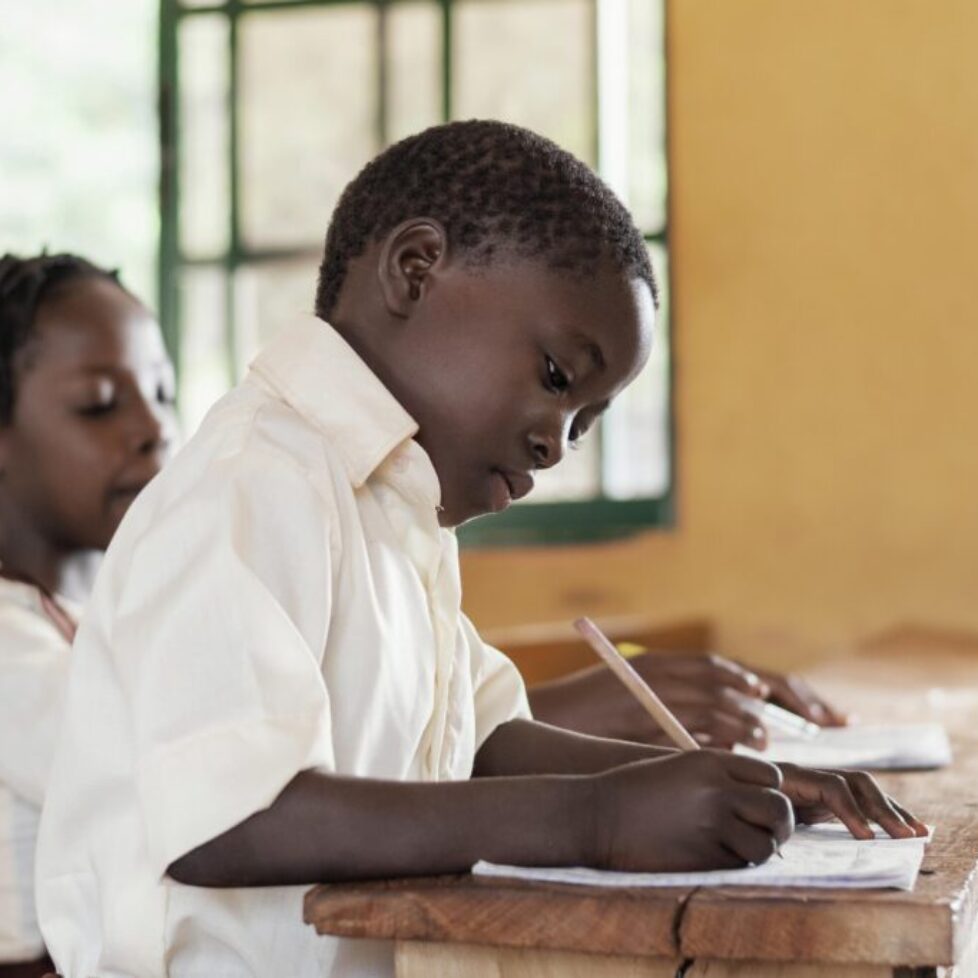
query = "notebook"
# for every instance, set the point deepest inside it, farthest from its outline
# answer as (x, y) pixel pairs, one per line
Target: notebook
(877, 747)
(823, 855)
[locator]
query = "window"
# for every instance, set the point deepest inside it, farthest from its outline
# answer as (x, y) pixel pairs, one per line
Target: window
(79, 148)
(271, 106)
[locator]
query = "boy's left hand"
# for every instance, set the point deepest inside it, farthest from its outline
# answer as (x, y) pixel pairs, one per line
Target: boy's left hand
(853, 797)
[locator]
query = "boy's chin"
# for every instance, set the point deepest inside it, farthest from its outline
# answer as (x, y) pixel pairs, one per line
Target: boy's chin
(452, 514)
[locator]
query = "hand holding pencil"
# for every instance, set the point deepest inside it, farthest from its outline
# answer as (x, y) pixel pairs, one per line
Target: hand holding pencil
(853, 797)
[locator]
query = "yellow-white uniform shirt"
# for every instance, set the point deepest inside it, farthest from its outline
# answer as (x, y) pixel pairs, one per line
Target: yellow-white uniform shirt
(280, 598)
(33, 671)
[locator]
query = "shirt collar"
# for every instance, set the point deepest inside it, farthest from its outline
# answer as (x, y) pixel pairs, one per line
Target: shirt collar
(323, 378)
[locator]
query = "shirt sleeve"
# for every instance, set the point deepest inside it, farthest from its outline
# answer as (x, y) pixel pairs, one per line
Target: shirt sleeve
(500, 695)
(217, 641)
(33, 672)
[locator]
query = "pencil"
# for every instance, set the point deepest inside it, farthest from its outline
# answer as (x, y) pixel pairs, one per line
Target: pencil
(636, 685)
(639, 688)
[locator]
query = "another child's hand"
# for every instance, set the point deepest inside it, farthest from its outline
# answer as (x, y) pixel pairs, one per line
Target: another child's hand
(690, 811)
(695, 687)
(796, 695)
(853, 797)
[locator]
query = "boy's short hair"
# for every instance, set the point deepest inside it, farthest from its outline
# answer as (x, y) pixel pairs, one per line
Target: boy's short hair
(26, 283)
(497, 188)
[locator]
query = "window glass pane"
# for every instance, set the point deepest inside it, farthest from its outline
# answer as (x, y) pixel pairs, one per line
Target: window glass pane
(530, 62)
(204, 372)
(79, 158)
(413, 68)
(308, 91)
(268, 296)
(204, 130)
(635, 430)
(646, 101)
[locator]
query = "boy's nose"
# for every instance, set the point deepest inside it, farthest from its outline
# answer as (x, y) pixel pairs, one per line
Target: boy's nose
(547, 450)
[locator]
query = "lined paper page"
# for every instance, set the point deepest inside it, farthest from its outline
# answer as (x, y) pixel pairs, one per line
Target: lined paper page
(815, 856)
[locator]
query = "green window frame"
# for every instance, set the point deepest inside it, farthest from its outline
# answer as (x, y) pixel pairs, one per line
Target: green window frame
(545, 523)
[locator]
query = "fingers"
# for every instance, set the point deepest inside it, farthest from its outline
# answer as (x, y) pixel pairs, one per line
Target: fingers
(818, 795)
(920, 828)
(749, 770)
(723, 727)
(749, 843)
(796, 695)
(881, 809)
(700, 672)
(853, 797)
(725, 672)
(767, 810)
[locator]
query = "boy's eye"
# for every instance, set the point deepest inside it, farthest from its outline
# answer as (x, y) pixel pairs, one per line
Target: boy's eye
(576, 436)
(557, 380)
(166, 397)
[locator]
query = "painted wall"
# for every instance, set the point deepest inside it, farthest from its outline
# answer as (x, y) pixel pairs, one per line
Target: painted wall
(825, 294)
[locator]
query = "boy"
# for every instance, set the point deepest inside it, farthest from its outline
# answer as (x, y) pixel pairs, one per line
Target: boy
(275, 685)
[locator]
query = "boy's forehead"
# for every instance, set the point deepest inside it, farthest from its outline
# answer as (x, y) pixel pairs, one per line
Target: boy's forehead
(593, 310)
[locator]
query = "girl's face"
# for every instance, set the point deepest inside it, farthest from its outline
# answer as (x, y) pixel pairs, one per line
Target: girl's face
(93, 415)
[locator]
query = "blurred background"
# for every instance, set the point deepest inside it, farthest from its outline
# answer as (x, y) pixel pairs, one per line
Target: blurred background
(796, 465)
(201, 146)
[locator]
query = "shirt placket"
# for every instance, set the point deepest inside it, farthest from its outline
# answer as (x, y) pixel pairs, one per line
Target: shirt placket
(432, 552)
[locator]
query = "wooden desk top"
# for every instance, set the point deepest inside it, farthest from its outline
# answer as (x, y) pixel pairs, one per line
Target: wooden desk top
(927, 927)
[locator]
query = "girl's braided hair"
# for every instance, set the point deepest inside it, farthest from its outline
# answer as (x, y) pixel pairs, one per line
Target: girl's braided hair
(26, 283)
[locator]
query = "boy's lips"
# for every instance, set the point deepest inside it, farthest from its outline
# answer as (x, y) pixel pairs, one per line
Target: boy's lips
(509, 485)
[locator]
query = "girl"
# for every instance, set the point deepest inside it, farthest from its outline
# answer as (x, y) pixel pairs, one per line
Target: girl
(86, 394)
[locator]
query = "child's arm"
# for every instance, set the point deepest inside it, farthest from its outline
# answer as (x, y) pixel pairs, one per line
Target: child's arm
(699, 810)
(679, 811)
(528, 747)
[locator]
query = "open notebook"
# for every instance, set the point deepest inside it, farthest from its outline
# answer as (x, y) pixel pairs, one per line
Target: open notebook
(815, 856)
(873, 746)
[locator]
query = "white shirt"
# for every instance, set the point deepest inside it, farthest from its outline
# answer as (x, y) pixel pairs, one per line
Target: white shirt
(280, 598)
(33, 670)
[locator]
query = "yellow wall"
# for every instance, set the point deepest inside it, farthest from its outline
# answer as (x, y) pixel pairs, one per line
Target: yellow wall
(825, 295)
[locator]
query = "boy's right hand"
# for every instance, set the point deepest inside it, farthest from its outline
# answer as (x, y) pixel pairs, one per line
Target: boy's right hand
(690, 811)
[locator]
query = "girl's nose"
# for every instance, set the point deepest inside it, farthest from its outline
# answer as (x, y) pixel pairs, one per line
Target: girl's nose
(153, 430)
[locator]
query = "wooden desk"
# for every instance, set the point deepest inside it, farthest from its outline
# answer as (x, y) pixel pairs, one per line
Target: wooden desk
(464, 927)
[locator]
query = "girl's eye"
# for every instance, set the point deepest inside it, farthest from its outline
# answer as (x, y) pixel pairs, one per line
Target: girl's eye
(97, 410)
(166, 397)
(557, 380)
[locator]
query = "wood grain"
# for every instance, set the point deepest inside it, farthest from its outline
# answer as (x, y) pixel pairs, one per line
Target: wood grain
(418, 960)
(506, 913)
(768, 969)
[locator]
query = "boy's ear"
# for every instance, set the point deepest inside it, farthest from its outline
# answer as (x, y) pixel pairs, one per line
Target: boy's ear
(411, 252)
